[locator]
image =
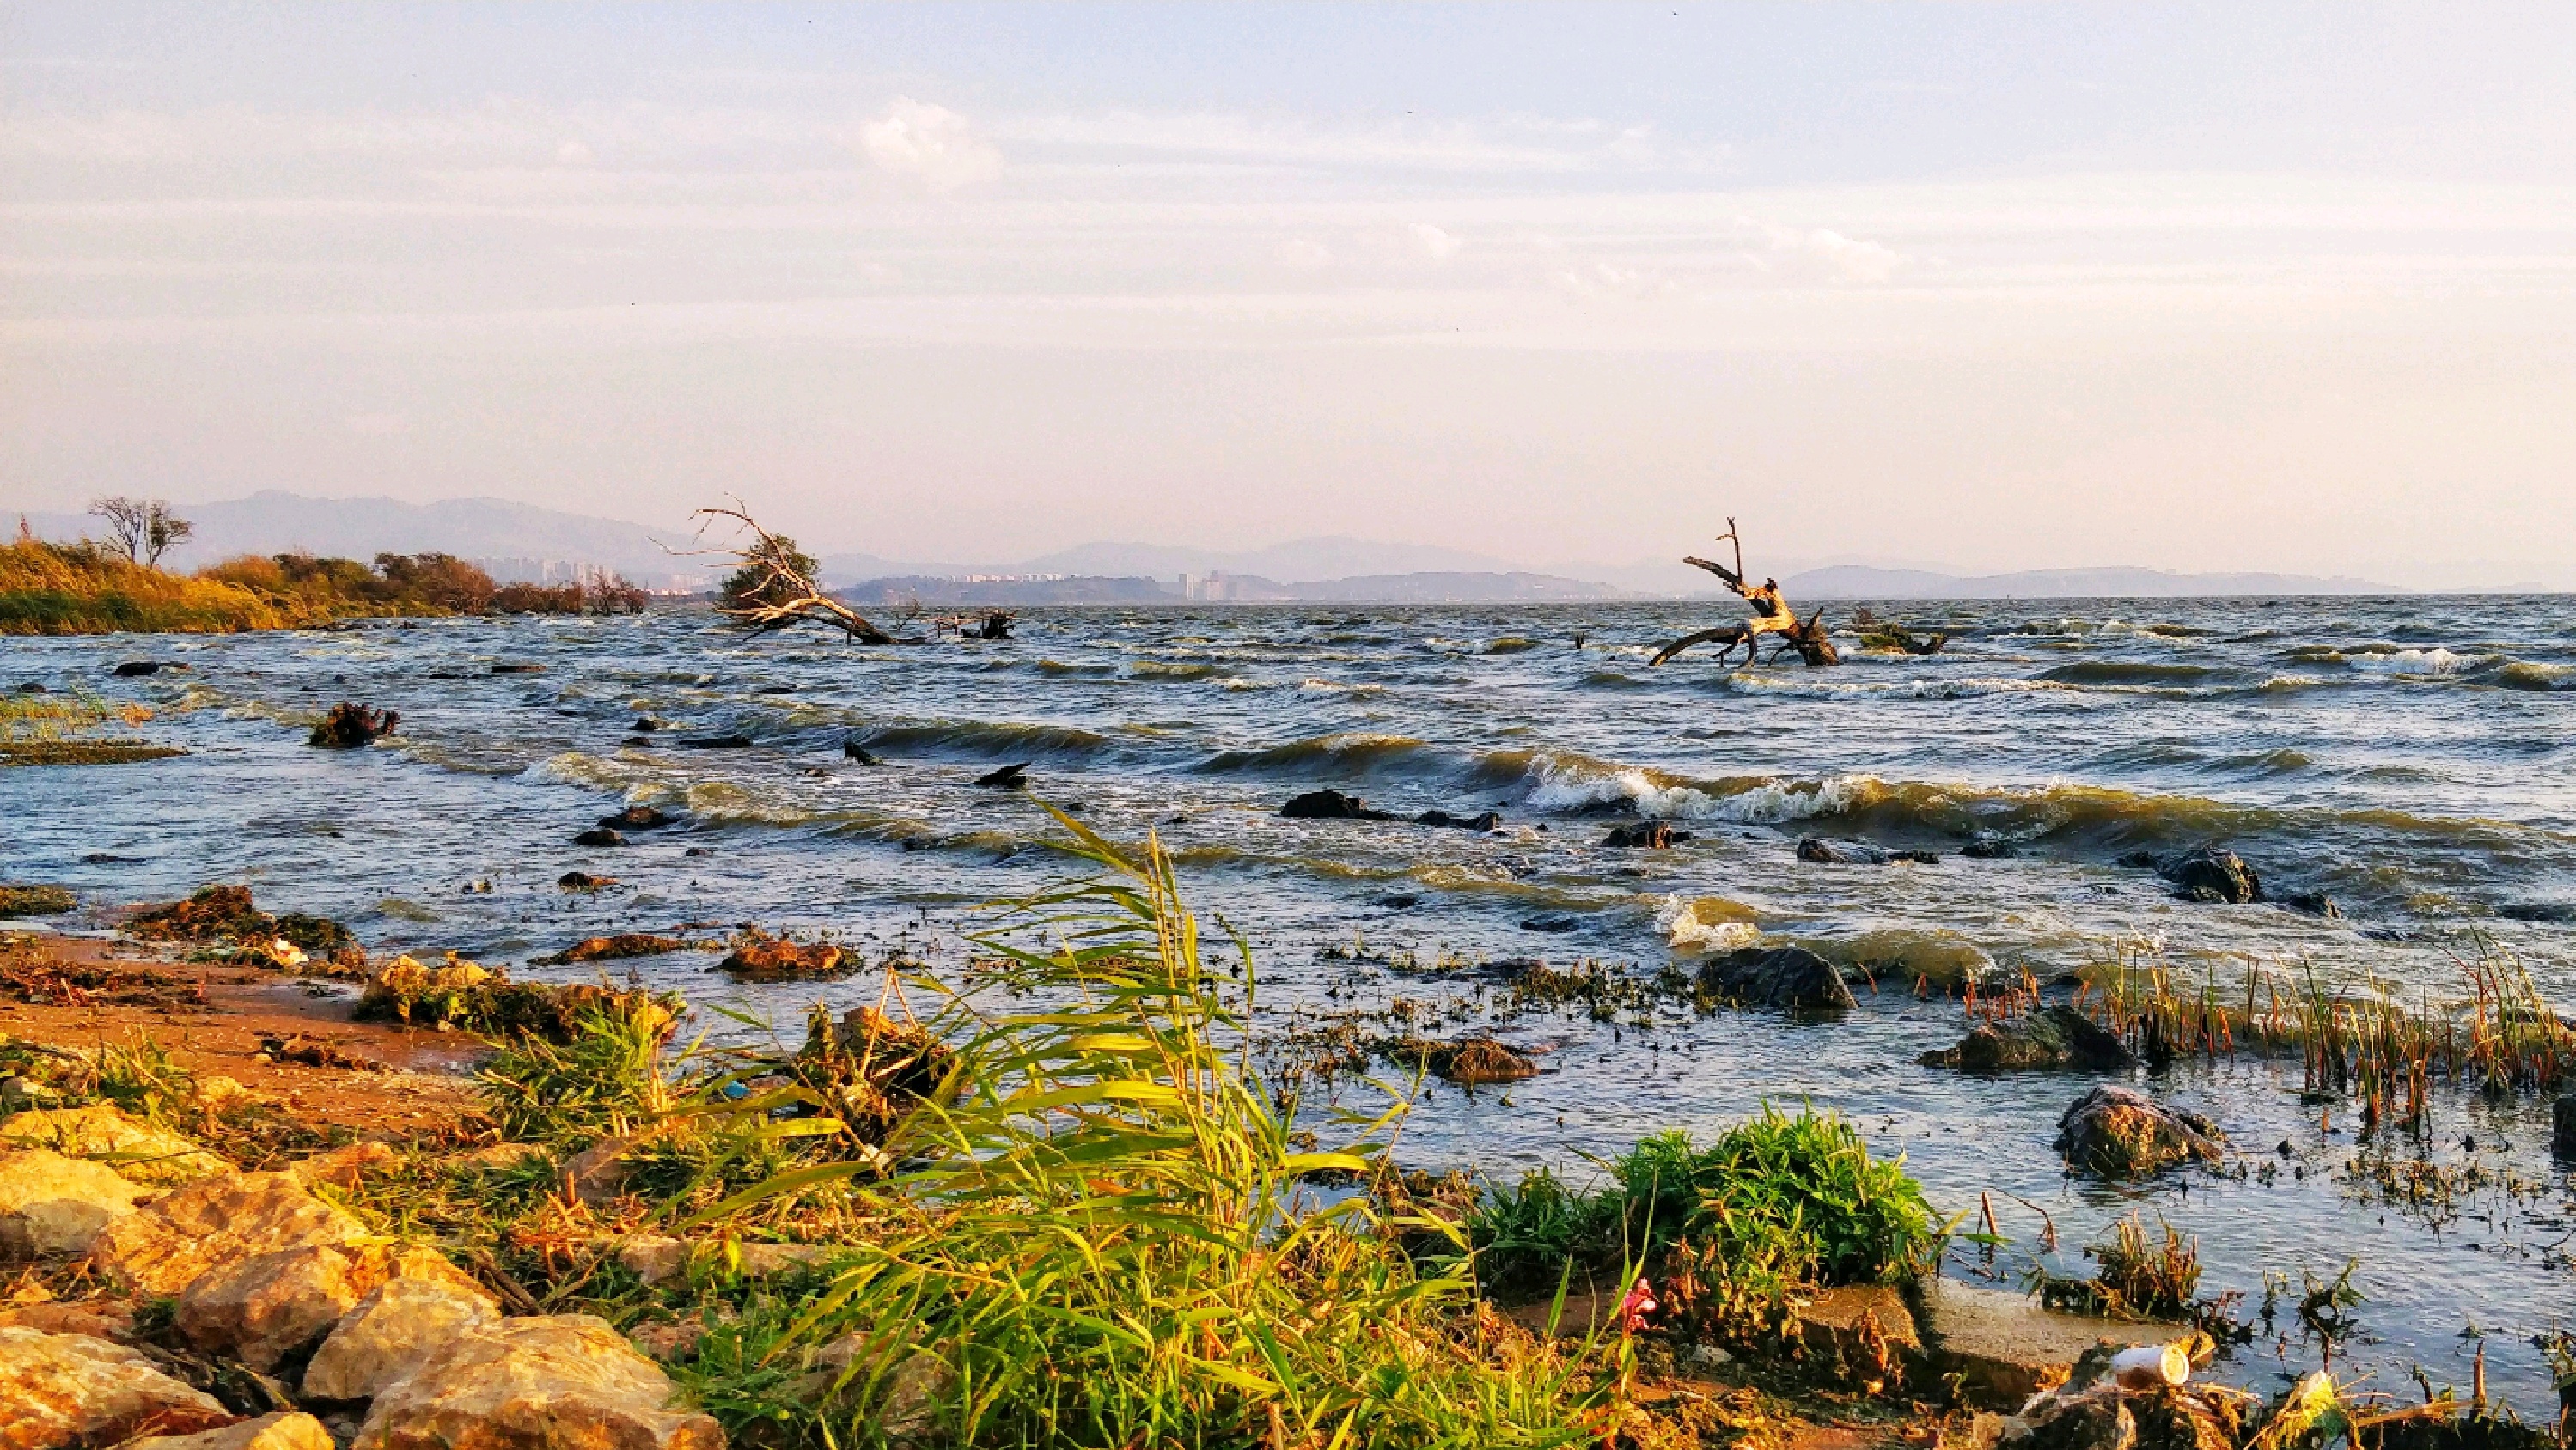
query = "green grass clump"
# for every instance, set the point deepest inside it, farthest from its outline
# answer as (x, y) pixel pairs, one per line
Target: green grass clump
(1099, 1236)
(1780, 1202)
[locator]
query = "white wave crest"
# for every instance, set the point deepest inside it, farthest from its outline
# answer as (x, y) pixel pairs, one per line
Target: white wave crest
(1559, 784)
(1705, 924)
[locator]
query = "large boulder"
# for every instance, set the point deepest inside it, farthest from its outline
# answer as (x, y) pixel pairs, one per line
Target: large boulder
(171, 1242)
(72, 1390)
(265, 1308)
(50, 1204)
(1790, 979)
(392, 1331)
(547, 1382)
(143, 1152)
(1331, 805)
(2119, 1130)
(285, 1430)
(2052, 1037)
(2212, 873)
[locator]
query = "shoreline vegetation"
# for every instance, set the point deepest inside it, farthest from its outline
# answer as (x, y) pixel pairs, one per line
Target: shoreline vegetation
(89, 588)
(1052, 1203)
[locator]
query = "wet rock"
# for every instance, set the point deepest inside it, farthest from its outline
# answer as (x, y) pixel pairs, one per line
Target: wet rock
(391, 1331)
(1486, 822)
(1400, 900)
(351, 725)
(1987, 846)
(518, 668)
(645, 725)
(167, 1244)
(584, 881)
(2314, 903)
(2562, 1126)
(132, 668)
(2052, 1037)
(1858, 853)
(716, 742)
(1009, 777)
(638, 818)
(1467, 1061)
(1644, 835)
(65, 1390)
(1552, 921)
(145, 1152)
(1788, 979)
(2004, 1348)
(759, 957)
(31, 687)
(36, 900)
(285, 1430)
(2212, 873)
(1331, 805)
(547, 1382)
(599, 836)
(614, 948)
(2120, 1130)
(50, 1204)
(857, 753)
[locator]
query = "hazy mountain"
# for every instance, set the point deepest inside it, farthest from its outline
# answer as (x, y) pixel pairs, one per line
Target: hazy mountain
(276, 522)
(1853, 581)
(1451, 587)
(1297, 561)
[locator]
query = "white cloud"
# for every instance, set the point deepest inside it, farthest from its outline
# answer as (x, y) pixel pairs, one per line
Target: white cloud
(931, 143)
(572, 153)
(1436, 244)
(1303, 255)
(1821, 254)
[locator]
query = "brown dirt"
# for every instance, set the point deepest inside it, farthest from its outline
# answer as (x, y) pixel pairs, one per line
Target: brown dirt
(212, 1020)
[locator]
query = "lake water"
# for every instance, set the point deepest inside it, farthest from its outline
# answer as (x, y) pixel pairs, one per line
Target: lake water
(2413, 759)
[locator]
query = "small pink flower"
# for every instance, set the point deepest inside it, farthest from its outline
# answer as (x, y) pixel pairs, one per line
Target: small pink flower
(1634, 1309)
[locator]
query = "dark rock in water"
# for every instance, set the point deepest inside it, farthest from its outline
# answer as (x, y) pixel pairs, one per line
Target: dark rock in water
(1552, 921)
(1485, 822)
(101, 858)
(760, 957)
(1858, 853)
(1009, 777)
(2140, 861)
(517, 668)
(2120, 1130)
(1400, 900)
(2314, 903)
(131, 668)
(1789, 979)
(638, 818)
(857, 752)
(351, 725)
(699, 851)
(2562, 1127)
(775, 690)
(2561, 911)
(1331, 805)
(584, 881)
(1468, 1061)
(1644, 835)
(2212, 873)
(2052, 1037)
(30, 687)
(645, 725)
(716, 742)
(1987, 846)
(599, 836)
(637, 741)
(613, 948)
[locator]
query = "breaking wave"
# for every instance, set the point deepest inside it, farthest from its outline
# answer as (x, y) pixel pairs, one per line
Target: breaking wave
(1345, 754)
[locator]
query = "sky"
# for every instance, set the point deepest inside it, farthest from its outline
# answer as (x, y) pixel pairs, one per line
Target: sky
(1979, 285)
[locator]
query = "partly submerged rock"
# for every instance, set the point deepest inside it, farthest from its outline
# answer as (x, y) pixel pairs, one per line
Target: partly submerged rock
(1988, 846)
(391, 1331)
(2052, 1037)
(614, 948)
(167, 1244)
(1937, 957)
(759, 957)
(2003, 1348)
(1486, 822)
(66, 1390)
(600, 836)
(1644, 835)
(2119, 1130)
(2314, 903)
(351, 725)
(638, 818)
(1789, 979)
(285, 1430)
(50, 1204)
(1331, 805)
(1467, 1061)
(1009, 777)
(144, 1152)
(547, 1382)
(2212, 873)
(1858, 853)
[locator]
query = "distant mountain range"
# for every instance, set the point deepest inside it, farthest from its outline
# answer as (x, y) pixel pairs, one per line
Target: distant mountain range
(518, 540)
(1853, 581)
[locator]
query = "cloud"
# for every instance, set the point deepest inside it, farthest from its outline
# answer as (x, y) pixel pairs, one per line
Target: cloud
(1821, 254)
(930, 143)
(1436, 244)
(1303, 255)
(573, 153)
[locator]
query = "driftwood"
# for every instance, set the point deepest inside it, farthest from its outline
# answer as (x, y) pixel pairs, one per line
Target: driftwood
(774, 586)
(1808, 638)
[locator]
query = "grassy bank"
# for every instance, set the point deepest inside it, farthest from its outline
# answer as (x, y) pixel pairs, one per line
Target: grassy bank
(84, 589)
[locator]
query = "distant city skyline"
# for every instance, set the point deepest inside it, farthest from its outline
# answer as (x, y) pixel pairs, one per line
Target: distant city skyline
(1998, 287)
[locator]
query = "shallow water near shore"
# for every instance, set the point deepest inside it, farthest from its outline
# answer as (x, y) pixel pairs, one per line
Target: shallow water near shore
(2414, 759)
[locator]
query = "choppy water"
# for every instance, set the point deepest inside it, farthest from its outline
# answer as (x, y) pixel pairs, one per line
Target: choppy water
(2415, 759)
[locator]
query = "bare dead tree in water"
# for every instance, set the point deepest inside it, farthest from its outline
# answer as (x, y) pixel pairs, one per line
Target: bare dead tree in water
(1771, 615)
(773, 586)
